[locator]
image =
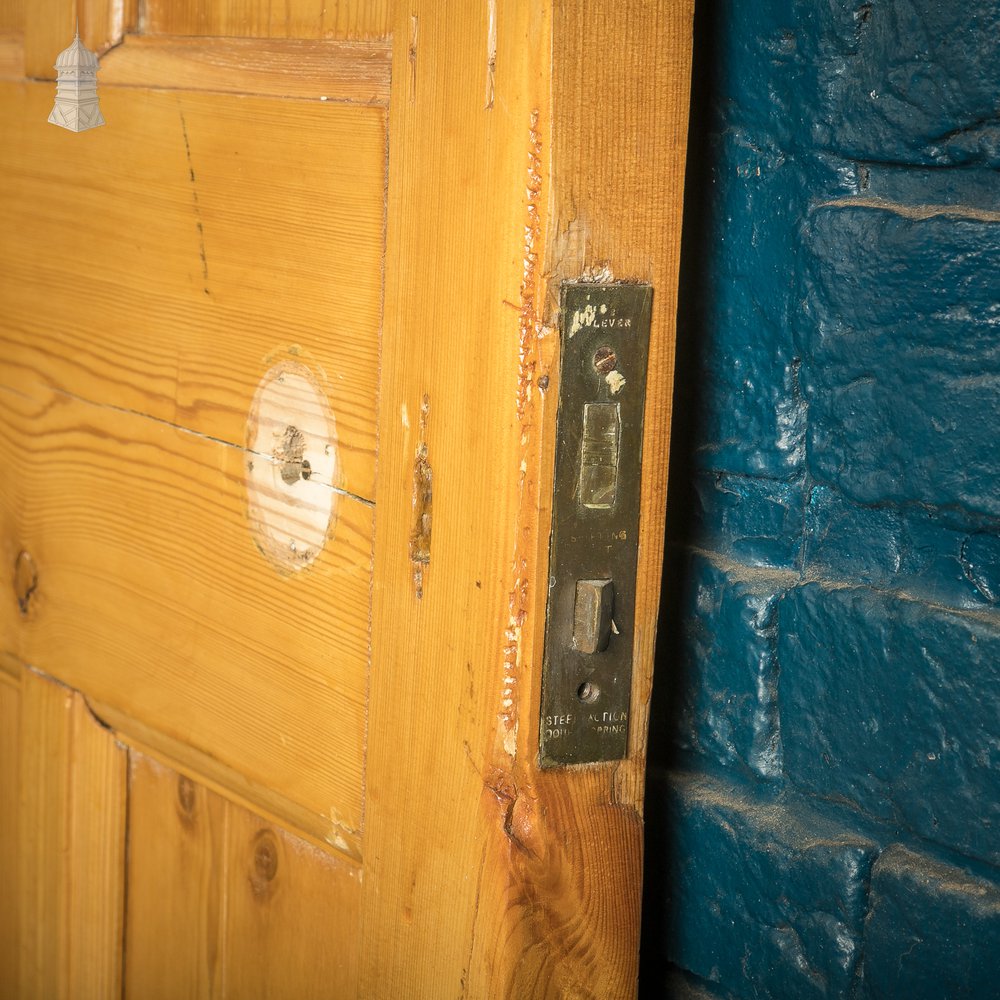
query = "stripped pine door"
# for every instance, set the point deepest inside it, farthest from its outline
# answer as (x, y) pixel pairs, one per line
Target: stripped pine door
(279, 370)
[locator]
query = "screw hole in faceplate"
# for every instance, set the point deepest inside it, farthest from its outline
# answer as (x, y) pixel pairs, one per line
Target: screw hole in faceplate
(588, 692)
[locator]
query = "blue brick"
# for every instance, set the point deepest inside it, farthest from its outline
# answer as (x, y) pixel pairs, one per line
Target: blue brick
(757, 66)
(933, 931)
(744, 398)
(961, 187)
(844, 540)
(765, 900)
(894, 705)
(755, 521)
(902, 365)
(907, 82)
(726, 677)
(945, 559)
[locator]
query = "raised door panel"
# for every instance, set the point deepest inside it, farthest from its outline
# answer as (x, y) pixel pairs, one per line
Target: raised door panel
(223, 903)
(190, 342)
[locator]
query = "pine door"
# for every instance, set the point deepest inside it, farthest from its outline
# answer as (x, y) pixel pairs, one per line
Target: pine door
(279, 376)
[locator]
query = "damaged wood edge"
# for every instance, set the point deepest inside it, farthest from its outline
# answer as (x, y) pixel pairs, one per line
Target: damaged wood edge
(336, 71)
(318, 830)
(420, 535)
(515, 712)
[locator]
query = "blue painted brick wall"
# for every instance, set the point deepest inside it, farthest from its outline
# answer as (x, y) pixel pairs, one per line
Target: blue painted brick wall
(823, 806)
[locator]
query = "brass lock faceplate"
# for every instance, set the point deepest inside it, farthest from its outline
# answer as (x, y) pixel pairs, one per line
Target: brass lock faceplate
(593, 549)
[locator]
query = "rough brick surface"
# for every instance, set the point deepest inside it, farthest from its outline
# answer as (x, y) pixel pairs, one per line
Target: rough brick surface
(943, 557)
(758, 893)
(727, 674)
(755, 521)
(745, 397)
(903, 360)
(835, 643)
(910, 81)
(892, 705)
(932, 931)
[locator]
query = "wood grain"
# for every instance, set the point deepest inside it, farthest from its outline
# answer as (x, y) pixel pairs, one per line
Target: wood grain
(544, 877)
(176, 875)
(162, 264)
(447, 665)
(615, 211)
(12, 16)
(224, 904)
(10, 936)
(71, 846)
(251, 18)
(291, 915)
(11, 57)
(152, 272)
(349, 71)
(152, 598)
(49, 27)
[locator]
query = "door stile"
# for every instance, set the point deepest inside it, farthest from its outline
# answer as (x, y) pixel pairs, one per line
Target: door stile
(526, 147)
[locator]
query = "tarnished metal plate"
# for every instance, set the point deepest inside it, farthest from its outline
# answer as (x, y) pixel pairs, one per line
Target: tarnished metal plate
(593, 550)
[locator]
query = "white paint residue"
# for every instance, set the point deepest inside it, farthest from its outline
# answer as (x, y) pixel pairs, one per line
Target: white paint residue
(510, 740)
(404, 415)
(491, 52)
(291, 465)
(616, 382)
(581, 318)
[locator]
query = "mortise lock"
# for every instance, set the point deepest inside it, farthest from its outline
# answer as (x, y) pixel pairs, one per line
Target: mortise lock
(593, 548)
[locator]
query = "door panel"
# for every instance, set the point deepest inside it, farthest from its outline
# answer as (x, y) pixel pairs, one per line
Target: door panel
(231, 204)
(279, 375)
(71, 848)
(157, 602)
(228, 904)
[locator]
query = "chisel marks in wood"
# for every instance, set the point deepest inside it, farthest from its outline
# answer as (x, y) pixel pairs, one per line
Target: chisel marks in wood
(420, 536)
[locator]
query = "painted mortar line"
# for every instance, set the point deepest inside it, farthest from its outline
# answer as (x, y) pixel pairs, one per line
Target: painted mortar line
(916, 212)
